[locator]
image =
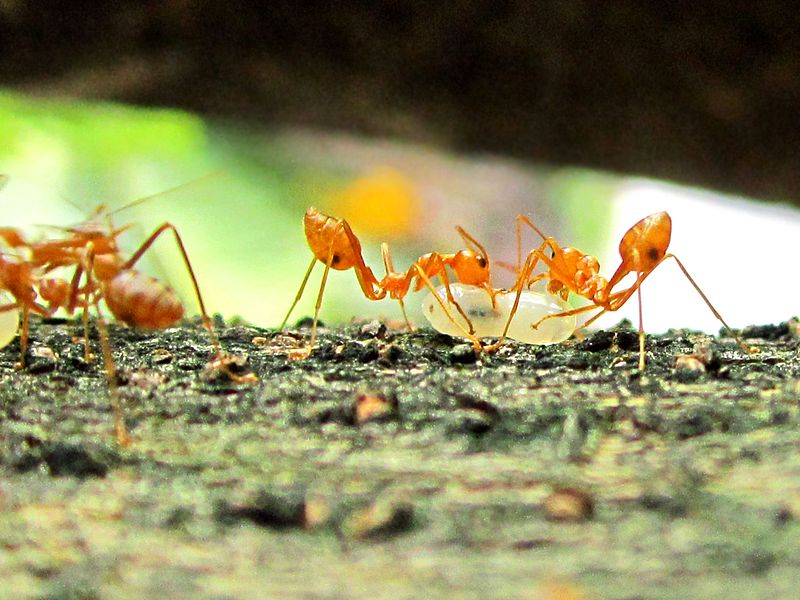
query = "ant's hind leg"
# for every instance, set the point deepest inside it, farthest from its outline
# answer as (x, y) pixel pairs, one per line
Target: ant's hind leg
(476, 343)
(299, 293)
(307, 352)
(120, 429)
(744, 347)
(196, 286)
(23, 337)
(221, 359)
(641, 330)
(409, 326)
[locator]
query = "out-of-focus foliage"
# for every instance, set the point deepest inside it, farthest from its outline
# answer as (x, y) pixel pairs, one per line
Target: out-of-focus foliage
(243, 226)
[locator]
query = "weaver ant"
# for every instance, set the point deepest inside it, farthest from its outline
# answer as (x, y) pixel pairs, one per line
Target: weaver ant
(19, 280)
(17, 277)
(102, 273)
(642, 249)
(333, 243)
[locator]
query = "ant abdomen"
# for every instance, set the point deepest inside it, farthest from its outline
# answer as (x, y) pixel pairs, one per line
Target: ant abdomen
(142, 301)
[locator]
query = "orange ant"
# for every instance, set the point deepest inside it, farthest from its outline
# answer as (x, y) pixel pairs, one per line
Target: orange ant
(333, 243)
(17, 277)
(19, 280)
(642, 249)
(131, 296)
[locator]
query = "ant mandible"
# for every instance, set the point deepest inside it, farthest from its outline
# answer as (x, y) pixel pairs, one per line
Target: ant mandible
(334, 244)
(642, 249)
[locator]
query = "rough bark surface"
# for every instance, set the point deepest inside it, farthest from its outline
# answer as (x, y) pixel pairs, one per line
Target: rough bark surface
(396, 465)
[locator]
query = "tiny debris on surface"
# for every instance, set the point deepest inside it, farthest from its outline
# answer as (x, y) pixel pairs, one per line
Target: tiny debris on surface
(395, 453)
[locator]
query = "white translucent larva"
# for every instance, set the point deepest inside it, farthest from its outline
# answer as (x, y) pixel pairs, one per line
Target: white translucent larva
(489, 322)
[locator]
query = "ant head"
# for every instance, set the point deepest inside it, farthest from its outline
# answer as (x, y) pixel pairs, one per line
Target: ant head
(471, 267)
(472, 264)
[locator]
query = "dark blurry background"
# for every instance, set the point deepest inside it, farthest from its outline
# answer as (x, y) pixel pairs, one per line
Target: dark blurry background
(706, 93)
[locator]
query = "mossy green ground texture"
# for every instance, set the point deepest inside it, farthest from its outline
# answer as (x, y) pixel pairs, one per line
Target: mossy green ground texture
(554, 472)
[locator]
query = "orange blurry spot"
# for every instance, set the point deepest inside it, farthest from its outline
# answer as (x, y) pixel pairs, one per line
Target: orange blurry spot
(382, 203)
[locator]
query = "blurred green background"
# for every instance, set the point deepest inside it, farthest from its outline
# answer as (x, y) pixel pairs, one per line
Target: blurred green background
(240, 210)
(242, 191)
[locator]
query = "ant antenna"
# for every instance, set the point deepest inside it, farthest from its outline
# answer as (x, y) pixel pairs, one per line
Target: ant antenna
(176, 188)
(471, 240)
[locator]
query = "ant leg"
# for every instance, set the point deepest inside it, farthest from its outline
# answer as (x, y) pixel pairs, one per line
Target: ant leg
(409, 326)
(72, 301)
(87, 349)
(468, 334)
(146, 245)
(434, 263)
(471, 241)
(299, 292)
(221, 360)
(451, 299)
(745, 348)
(520, 220)
(387, 263)
(641, 329)
(522, 275)
(305, 353)
(23, 336)
(594, 318)
(27, 308)
(120, 430)
(566, 313)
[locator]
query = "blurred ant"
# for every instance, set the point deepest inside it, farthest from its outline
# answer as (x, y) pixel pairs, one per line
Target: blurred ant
(19, 280)
(470, 265)
(101, 273)
(333, 243)
(17, 277)
(642, 249)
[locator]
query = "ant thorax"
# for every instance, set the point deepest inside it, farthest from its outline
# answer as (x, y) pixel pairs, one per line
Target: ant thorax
(397, 284)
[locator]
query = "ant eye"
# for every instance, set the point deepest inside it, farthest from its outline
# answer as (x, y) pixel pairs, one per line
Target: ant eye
(481, 261)
(335, 259)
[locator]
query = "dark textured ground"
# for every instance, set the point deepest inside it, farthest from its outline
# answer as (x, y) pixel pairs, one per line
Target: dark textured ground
(393, 465)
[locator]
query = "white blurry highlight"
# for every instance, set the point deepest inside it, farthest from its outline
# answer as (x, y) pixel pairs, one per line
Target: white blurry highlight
(9, 321)
(489, 322)
(728, 245)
